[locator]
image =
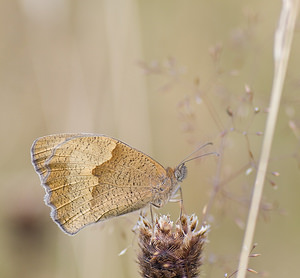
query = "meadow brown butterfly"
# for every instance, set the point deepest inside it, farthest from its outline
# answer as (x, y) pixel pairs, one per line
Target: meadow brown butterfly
(89, 178)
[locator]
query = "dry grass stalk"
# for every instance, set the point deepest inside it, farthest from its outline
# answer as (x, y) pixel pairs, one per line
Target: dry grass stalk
(282, 46)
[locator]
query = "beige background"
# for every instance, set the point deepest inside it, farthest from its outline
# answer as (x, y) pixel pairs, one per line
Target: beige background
(144, 72)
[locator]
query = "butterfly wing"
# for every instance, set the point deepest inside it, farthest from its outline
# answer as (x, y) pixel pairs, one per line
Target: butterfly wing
(89, 178)
(42, 148)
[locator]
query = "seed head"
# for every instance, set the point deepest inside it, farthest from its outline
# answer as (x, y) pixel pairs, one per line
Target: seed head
(171, 252)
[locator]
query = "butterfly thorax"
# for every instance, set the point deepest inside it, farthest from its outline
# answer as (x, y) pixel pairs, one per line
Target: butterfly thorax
(169, 185)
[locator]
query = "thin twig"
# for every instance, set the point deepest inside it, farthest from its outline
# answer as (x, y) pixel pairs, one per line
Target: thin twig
(282, 46)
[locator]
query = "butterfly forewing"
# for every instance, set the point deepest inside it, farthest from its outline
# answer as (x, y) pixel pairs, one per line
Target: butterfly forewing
(42, 149)
(91, 177)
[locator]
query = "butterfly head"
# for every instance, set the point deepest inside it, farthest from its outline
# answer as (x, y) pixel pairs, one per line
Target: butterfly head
(180, 172)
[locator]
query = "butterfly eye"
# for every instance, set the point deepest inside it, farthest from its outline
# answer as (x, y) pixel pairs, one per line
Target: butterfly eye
(180, 172)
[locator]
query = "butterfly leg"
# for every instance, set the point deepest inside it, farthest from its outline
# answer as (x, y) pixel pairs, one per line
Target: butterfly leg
(152, 218)
(151, 213)
(180, 200)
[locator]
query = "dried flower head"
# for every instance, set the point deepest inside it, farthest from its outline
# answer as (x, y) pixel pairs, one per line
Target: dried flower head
(170, 252)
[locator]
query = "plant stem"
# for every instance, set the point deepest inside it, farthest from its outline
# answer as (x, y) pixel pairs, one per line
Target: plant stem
(282, 46)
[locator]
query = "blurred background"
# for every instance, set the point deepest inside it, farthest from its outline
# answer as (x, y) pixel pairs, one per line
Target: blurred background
(164, 77)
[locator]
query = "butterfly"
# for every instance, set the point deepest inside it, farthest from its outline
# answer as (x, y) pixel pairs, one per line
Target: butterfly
(89, 178)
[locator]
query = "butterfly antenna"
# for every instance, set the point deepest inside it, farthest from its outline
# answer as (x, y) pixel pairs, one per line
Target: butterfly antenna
(201, 155)
(201, 147)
